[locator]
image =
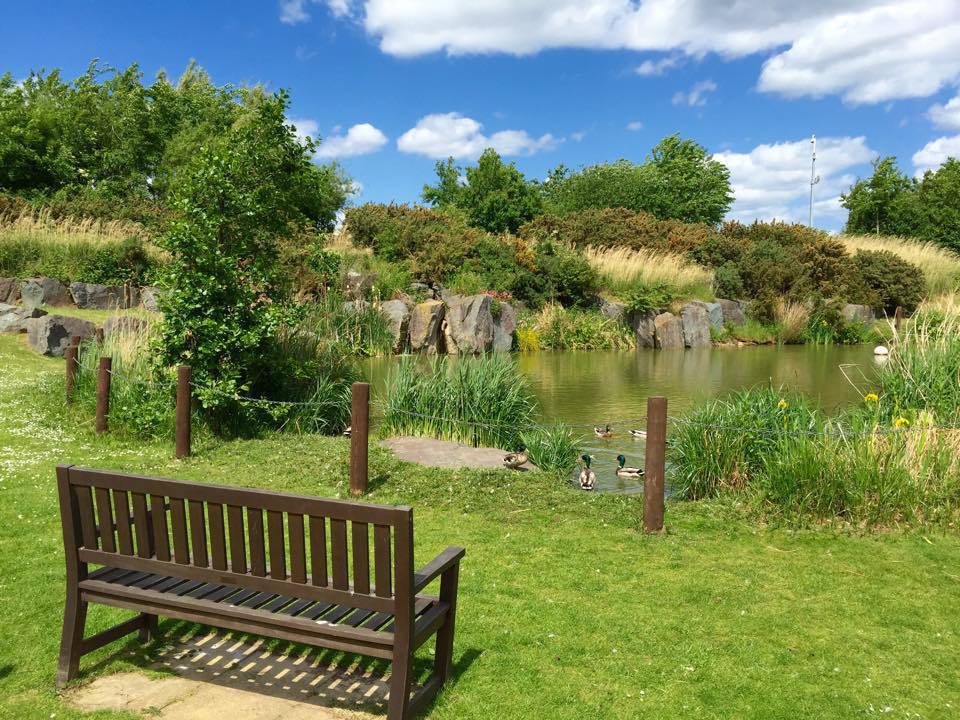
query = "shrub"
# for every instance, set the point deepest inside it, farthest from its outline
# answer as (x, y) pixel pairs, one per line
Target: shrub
(895, 281)
(557, 328)
(643, 297)
(940, 266)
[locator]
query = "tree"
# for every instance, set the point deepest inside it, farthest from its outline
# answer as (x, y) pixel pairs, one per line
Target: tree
(875, 203)
(937, 205)
(495, 196)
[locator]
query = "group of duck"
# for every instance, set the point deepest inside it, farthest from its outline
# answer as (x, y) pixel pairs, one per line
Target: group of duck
(587, 476)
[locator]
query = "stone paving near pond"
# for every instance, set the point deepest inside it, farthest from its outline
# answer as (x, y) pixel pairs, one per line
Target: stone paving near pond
(446, 454)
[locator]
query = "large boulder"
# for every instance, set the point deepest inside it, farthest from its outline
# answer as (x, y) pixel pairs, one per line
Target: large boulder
(397, 315)
(125, 325)
(13, 319)
(425, 321)
(150, 298)
(355, 307)
(732, 312)
(858, 313)
(504, 326)
(468, 324)
(644, 327)
(91, 296)
(696, 325)
(51, 334)
(715, 315)
(358, 284)
(44, 291)
(668, 332)
(612, 309)
(9, 290)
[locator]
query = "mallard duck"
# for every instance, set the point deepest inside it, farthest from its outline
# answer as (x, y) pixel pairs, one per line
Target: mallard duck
(624, 471)
(587, 476)
(604, 432)
(346, 433)
(641, 434)
(515, 459)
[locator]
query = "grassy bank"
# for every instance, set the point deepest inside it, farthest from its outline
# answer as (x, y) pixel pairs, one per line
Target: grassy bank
(940, 266)
(565, 608)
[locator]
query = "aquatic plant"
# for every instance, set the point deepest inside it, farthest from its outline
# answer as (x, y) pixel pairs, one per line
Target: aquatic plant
(552, 448)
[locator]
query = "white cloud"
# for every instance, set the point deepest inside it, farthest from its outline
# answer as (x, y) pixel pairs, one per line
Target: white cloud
(772, 181)
(304, 128)
(293, 12)
(578, 135)
(442, 135)
(946, 116)
(634, 126)
(361, 139)
(934, 153)
(865, 50)
(697, 96)
(649, 68)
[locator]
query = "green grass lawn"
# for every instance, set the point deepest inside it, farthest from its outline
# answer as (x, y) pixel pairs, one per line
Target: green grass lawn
(566, 610)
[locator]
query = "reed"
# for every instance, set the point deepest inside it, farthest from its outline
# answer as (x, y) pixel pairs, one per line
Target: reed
(792, 319)
(553, 448)
(555, 327)
(622, 268)
(940, 266)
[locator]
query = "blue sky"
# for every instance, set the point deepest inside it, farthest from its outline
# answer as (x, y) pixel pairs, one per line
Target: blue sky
(391, 85)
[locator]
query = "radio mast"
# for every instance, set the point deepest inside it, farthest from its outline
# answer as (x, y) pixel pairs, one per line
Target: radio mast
(814, 178)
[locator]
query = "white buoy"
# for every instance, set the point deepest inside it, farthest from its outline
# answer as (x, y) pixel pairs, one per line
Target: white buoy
(880, 350)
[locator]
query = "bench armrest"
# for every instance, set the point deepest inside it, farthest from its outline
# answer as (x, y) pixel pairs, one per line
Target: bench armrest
(436, 567)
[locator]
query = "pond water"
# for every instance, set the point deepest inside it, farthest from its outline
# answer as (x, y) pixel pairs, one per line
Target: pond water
(595, 388)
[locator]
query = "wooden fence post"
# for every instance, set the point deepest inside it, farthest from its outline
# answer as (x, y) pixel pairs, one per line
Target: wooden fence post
(655, 464)
(70, 356)
(359, 430)
(103, 394)
(184, 376)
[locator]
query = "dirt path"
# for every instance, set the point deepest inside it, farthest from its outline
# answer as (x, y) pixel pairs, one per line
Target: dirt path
(446, 454)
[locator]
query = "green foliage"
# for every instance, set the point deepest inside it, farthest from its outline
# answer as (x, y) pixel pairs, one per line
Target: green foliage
(483, 402)
(107, 263)
(495, 196)
(326, 264)
(348, 329)
(557, 328)
(895, 281)
(644, 298)
(553, 449)
(679, 180)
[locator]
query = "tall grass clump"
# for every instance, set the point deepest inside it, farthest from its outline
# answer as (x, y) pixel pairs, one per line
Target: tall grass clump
(555, 327)
(484, 401)
(792, 319)
(940, 266)
(552, 448)
(622, 268)
(350, 328)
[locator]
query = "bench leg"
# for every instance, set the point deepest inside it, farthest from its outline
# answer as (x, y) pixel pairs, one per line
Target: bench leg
(74, 619)
(443, 657)
(400, 675)
(149, 630)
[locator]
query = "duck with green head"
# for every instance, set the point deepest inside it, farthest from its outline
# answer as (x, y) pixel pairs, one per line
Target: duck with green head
(623, 470)
(587, 476)
(605, 432)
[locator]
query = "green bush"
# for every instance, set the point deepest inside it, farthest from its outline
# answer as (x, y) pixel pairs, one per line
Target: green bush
(557, 328)
(896, 282)
(644, 298)
(107, 263)
(552, 449)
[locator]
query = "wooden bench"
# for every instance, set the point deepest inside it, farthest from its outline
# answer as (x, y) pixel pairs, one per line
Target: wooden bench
(203, 553)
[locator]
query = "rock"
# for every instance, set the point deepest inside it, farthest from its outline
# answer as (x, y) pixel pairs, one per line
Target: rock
(91, 296)
(51, 334)
(43, 291)
(125, 324)
(644, 326)
(398, 318)
(504, 326)
(668, 332)
(150, 297)
(858, 313)
(696, 325)
(358, 285)
(732, 312)
(355, 306)
(9, 290)
(715, 315)
(468, 324)
(425, 321)
(612, 309)
(14, 319)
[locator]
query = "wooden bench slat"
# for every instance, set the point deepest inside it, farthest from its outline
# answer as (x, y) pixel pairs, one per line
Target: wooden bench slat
(142, 526)
(278, 558)
(360, 552)
(382, 560)
(105, 519)
(178, 521)
(198, 533)
(338, 554)
(318, 551)
(258, 558)
(124, 534)
(84, 503)
(161, 535)
(298, 553)
(218, 541)
(238, 544)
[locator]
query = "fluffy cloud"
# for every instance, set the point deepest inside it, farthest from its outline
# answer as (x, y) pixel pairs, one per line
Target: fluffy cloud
(773, 181)
(361, 139)
(864, 50)
(697, 96)
(293, 12)
(946, 116)
(304, 128)
(934, 153)
(634, 126)
(444, 135)
(657, 67)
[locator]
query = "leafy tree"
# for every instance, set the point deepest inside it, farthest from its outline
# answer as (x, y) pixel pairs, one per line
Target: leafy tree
(495, 196)
(936, 205)
(873, 202)
(678, 180)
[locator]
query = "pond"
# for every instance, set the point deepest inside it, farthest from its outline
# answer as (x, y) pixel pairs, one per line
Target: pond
(595, 388)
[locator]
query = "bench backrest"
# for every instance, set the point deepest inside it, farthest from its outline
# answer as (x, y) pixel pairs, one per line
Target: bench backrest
(274, 542)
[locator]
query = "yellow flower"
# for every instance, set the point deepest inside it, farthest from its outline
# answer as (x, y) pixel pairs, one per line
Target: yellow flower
(901, 422)
(783, 405)
(871, 397)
